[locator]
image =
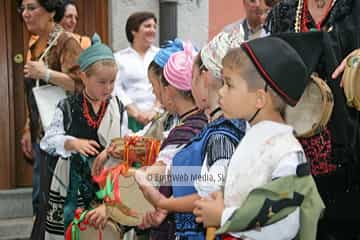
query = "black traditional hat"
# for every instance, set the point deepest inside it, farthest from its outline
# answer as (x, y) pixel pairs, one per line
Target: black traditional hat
(285, 61)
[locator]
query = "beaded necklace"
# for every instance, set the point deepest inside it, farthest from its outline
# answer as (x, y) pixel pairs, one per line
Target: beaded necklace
(300, 18)
(90, 121)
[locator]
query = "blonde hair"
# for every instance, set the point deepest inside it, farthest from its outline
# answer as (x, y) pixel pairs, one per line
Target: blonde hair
(101, 63)
(237, 60)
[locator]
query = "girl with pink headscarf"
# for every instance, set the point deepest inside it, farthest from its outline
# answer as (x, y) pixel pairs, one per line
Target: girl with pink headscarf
(176, 81)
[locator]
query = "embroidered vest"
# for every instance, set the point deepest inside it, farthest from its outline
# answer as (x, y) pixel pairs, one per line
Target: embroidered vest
(75, 124)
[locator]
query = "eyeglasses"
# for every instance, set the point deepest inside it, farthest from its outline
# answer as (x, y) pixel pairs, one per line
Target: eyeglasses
(29, 7)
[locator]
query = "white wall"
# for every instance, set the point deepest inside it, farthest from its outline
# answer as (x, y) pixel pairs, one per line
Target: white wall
(193, 19)
(119, 11)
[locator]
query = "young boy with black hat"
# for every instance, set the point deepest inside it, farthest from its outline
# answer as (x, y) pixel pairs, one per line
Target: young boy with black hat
(269, 193)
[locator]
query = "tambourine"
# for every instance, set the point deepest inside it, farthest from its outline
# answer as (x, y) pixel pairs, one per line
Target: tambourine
(80, 229)
(136, 151)
(351, 82)
(124, 199)
(312, 113)
(110, 232)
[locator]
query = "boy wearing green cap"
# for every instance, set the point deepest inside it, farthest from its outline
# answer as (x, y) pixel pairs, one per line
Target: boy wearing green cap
(82, 127)
(269, 192)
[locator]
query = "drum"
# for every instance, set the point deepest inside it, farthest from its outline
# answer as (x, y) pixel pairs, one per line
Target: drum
(133, 204)
(110, 232)
(351, 82)
(126, 203)
(136, 150)
(313, 111)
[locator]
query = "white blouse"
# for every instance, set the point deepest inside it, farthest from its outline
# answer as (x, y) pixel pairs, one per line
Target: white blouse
(132, 84)
(55, 136)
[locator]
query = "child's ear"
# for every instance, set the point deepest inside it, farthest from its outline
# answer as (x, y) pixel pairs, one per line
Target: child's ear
(261, 98)
(83, 77)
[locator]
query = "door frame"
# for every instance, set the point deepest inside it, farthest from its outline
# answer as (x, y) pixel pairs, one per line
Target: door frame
(15, 171)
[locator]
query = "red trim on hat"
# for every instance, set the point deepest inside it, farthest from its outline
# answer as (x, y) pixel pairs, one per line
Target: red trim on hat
(265, 74)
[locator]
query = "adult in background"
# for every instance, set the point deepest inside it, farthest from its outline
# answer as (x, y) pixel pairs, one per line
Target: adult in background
(58, 68)
(334, 153)
(271, 3)
(252, 25)
(132, 83)
(70, 20)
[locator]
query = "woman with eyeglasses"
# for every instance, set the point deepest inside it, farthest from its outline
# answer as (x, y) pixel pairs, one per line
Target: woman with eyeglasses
(58, 67)
(69, 22)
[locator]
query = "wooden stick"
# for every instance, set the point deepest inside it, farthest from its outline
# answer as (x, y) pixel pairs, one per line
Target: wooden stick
(210, 233)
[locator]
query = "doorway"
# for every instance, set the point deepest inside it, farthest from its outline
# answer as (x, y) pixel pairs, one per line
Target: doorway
(15, 170)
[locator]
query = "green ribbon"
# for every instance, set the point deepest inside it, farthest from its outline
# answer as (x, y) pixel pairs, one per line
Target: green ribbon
(108, 189)
(137, 165)
(75, 229)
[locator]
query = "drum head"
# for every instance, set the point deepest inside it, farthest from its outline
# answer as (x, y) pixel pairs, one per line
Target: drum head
(133, 198)
(306, 115)
(110, 232)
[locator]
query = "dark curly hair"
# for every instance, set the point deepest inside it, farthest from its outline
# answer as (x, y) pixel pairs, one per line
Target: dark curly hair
(271, 3)
(70, 2)
(56, 6)
(134, 21)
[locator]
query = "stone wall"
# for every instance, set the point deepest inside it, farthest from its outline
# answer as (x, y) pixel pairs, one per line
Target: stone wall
(193, 21)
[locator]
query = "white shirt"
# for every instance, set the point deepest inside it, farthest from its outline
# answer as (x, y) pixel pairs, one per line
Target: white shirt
(215, 175)
(268, 151)
(250, 33)
(284, 229)
(132, 84)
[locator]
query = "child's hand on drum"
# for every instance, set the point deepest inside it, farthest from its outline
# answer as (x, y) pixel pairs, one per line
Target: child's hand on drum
(99, 163)
(113, 152)
(141, 178)
(153, 219)
(97, 217)
(209, 211)
(150, 192)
